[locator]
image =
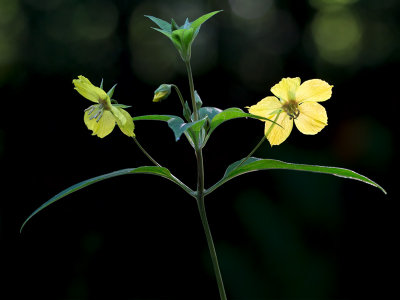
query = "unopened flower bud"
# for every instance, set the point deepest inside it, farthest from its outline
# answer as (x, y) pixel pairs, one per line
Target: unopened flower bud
(162, 92)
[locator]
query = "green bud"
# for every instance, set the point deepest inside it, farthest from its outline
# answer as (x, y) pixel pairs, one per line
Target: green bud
(162, 92)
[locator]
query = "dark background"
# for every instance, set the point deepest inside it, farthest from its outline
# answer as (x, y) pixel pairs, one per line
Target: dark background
(279, 235)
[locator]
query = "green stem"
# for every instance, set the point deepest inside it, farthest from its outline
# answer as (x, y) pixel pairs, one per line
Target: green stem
(145, 153)
(186, 110)
(191, 85)
(211, 247)
(259, 143)
(251, 153)
(179, 94)
(200, 193)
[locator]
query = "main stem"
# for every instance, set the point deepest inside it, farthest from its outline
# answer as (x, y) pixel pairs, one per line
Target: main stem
(200, 194)
(191, 85)
(206, 227)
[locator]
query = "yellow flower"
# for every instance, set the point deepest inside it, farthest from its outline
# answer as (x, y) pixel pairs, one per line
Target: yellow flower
(102, 117)
(294, 103)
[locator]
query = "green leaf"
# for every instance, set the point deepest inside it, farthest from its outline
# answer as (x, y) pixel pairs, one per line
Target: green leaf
(164, 118)
(197, 132)
(187, 24)
(258, 164)
(210, 112)
(110, 93)
(158, 171)
(177, 38)
(197, 99)
(229, 114)
(174, 26)
(186, 111)
(164, 25)
(101, 84)
(196, 23)
(177, 124)
(122, 105)
(168, 34)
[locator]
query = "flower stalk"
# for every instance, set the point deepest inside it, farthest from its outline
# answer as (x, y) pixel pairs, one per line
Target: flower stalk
(146, 153)
(200, 193)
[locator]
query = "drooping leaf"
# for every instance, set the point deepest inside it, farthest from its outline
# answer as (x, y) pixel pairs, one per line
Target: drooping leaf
(153, 170)
(258, 164)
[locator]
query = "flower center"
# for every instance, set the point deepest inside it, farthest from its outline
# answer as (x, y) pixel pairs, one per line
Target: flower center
(105, 104)
(292, 109)
(95, 112)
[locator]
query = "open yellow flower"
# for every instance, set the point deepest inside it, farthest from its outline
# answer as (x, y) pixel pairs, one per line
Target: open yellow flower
(294, 103)
(102, 117)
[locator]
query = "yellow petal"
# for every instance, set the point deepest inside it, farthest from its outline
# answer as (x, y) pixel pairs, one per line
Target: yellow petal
(91, 123)
(88, 90)
(119, 116)
(314, 90)
(105, 125)
(312, 118)
(278, 135)
(286, 88)
(265, 107)
(128, 127)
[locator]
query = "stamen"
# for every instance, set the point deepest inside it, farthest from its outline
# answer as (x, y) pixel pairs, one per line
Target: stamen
(99, 112)
(292, 109)
(99, 117)
(90, 109)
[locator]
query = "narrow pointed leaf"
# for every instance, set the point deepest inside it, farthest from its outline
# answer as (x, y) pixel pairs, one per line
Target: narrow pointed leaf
(174, 26)
(110, 93)
(153, 170)
(187, 111)
(187, 24)
(196, 23)
(122, 105)
(198, 101)
(164, 118)
(164, 25)
(167, 33)
(258, 164)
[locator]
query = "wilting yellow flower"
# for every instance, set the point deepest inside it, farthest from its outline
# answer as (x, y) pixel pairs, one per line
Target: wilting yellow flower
(101, 117)
(294, 103)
